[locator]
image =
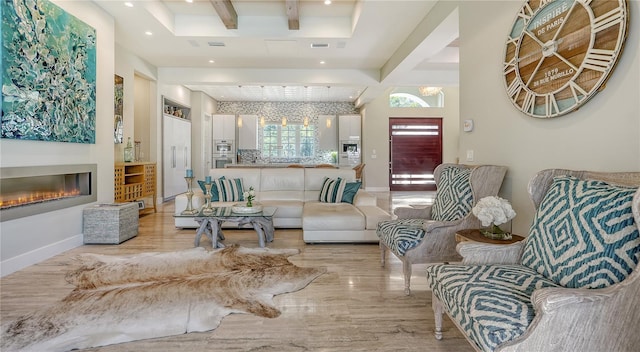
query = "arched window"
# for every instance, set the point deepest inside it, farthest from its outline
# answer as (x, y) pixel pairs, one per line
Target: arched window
(411, 97)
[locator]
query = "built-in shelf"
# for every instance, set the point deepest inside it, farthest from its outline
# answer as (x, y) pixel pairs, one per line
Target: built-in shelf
(134, 182)
(175, 109)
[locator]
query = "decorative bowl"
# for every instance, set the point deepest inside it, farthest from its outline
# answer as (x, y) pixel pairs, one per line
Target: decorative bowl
(244, 209)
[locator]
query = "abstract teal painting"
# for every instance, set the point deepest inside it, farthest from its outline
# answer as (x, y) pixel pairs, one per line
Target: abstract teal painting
(48, 63)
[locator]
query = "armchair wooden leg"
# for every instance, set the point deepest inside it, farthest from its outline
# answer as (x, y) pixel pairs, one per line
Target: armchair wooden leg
(437, 312)
(406, 268)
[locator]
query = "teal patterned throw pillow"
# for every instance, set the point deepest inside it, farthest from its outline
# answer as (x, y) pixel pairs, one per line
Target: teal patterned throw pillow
(584, 234)
(214, 190)
(230, 190)
(332, 190)
(454, 198)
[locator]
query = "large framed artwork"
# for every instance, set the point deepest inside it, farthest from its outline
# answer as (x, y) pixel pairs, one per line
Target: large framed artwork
(48, 63)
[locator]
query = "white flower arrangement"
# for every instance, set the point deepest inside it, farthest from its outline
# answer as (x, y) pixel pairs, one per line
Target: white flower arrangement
(493, 211)
(249, 195)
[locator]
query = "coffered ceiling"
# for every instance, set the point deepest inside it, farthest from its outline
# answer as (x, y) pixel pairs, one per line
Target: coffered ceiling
(350, 50)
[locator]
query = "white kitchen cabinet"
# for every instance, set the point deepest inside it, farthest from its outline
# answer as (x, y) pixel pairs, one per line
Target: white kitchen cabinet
(224, 127)
(349, 127)
(327, 132)
(248, 132)
(176, 155)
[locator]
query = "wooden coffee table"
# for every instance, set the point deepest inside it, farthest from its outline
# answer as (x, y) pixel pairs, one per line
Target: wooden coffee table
(474, 235)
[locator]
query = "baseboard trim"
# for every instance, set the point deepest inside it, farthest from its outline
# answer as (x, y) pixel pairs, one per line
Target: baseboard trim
(35, 256)
(377, 189)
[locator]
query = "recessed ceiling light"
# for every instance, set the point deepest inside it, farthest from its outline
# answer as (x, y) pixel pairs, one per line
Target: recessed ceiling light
(327, 2)
(211, 61)
(322, 62)
(148, 33)
(128, 4)
(189, 1)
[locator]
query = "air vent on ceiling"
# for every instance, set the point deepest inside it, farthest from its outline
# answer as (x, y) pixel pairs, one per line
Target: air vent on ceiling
(216, 44)
(319, 45)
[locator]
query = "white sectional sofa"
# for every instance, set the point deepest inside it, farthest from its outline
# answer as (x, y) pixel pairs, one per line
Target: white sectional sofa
(296, 192)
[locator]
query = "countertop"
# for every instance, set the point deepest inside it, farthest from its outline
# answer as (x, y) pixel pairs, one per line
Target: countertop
(274, 165)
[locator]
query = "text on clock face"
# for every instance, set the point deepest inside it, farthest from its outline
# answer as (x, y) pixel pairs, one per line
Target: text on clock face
(553, 75)
(555, 12)
(550, 26)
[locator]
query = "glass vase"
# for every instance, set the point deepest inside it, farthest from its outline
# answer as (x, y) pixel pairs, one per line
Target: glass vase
(494, 232)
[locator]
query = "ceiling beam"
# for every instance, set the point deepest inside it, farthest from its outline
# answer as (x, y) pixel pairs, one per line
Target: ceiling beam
(227, 13)
(292, 14)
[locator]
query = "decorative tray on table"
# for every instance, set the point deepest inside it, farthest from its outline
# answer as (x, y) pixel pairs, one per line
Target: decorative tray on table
(244, 209)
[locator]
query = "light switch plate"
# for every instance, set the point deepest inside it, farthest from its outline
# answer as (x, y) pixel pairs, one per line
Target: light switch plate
(468, 125)
(469, 155)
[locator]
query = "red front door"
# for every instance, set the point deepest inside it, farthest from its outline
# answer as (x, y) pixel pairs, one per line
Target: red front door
(415, 148)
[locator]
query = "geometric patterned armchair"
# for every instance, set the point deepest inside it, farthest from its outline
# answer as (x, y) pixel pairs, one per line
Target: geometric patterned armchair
(572, 285)
(427, 235)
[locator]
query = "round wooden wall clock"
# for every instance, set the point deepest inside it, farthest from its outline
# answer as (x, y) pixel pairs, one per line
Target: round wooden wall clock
(559, 53)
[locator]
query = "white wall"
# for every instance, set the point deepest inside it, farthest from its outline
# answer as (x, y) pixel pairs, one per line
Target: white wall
(135, 72)
(603, 135)
(26, 241)
(375, 134)
(202, 105)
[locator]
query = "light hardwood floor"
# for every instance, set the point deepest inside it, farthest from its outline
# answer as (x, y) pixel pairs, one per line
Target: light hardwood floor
(356, 306)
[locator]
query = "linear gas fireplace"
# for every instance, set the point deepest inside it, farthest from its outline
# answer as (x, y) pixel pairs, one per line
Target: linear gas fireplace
(31, 190)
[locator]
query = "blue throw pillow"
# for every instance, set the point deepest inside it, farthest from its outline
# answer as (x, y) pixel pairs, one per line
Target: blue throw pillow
(350, 190)
(214, 190)
(332, 190)
(583, 234)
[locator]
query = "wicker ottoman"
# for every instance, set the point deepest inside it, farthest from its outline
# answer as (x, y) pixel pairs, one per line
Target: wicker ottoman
(110, 223)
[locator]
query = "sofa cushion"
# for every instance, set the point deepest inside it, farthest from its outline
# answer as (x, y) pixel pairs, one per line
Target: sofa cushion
(491, 303)
(332, 190)
(214, 190)
(286, 208)
(373, 215)
(230, 189)
(583, 234)
(350, 190)
(454, 198)
(401, 235)
(318, 216)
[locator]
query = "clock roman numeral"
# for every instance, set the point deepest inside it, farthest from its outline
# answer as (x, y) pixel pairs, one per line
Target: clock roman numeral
(528, 102)
(598, 59)
(551, 105)
(525, 13)
(513, 41)
(514, 88)
(608, 19)
(575, 89)
(509, 66)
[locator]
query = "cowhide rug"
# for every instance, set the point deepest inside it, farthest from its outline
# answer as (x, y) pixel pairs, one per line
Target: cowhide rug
(126, 298)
